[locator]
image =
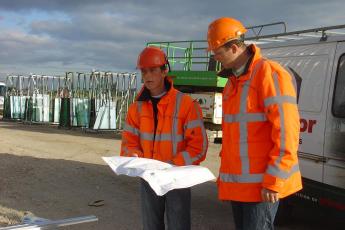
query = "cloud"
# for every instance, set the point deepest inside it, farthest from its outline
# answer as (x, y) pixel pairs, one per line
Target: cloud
(60, 35)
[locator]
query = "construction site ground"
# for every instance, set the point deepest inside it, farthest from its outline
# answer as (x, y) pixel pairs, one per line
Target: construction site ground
(57, 173)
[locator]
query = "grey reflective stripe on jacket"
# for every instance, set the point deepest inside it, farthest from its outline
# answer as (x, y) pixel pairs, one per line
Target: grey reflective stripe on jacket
(195, 124)
(243, 117)
(248, 117)
(160, 137)
(278, 100)
(275, 171)
(174, 129)
(125, 150)
(139, 106)
(131, 129)
(173, 137)
(244, 178)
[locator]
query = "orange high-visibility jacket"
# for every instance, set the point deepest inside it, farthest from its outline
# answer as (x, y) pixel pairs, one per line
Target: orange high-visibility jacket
(260, 133)
(180, 135)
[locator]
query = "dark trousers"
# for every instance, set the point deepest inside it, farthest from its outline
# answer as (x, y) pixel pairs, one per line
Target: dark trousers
(254, 215)
(176, 203)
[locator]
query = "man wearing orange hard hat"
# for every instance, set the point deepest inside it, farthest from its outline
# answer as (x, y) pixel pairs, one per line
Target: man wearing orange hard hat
(260, 124)
(166, 125)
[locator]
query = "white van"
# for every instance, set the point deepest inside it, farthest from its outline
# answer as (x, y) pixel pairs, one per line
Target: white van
(318, 65)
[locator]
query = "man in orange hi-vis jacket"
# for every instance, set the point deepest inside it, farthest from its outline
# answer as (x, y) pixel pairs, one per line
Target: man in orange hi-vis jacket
(166, 125)
(259, 163)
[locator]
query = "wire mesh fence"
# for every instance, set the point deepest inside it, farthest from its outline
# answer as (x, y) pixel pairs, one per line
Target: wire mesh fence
(96, 100)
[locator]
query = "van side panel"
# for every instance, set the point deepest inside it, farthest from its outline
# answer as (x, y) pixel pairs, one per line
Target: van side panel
(334, 167)
(311, 66)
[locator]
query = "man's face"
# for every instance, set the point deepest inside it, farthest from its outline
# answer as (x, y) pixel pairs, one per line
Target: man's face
(153, 78)
(226, 56)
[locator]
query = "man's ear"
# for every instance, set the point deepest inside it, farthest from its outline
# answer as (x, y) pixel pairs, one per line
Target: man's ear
(234, 48)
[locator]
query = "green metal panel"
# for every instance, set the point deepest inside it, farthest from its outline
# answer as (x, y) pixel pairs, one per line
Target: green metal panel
(191, 64)
(197, 78)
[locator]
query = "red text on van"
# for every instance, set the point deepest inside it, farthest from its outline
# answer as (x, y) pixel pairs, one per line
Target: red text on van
(307, 125)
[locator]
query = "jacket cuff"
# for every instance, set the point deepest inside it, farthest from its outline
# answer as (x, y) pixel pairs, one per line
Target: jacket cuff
(272, 183)
(178, 160)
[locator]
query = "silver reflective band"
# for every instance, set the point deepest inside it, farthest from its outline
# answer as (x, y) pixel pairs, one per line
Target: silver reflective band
(246, 178)
(159, 137)
(244, 149)
(146, 136)
(204, 135)
(168, 137)
(197, 123)
(139, 105)
(280, 100)
(189, 160)
(179, 96)
(281, 120)
(243, 121)
(243, 117)
(131, 129)
(126, 151)
(186, 158)
(194, 124)
(246, 117)
(276, 172)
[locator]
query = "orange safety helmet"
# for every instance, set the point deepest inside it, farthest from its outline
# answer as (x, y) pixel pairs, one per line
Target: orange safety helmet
(151, 57)
(223, 30)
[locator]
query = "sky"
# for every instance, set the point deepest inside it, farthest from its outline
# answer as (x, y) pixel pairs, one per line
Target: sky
(50, 37)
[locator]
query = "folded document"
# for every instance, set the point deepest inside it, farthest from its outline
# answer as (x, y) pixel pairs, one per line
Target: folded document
(161, 176)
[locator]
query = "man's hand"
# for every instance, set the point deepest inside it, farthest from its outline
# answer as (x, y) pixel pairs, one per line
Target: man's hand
(269, 195)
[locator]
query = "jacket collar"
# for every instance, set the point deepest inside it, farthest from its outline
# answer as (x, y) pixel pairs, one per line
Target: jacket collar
(255, 54)
(144, 94)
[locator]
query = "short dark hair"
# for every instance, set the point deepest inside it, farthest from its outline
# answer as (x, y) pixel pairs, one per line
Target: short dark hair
(166, 66)
(163, 67)
(238, 42)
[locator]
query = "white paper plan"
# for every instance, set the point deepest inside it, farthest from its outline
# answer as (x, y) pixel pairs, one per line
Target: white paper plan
(161, 176)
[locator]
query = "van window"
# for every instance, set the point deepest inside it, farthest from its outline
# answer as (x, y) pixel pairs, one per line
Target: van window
(339, 94)
(2, 90)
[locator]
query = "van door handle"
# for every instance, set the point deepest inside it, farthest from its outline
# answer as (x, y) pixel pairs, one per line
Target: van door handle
(312, 157)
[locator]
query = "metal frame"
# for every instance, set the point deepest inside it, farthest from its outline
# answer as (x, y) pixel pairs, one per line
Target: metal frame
(52, 224)
(189, 47)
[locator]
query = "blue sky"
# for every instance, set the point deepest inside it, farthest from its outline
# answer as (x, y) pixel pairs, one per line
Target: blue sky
(51, 37)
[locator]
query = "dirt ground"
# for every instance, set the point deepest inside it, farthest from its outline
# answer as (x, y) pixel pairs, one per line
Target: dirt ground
(55, 174)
